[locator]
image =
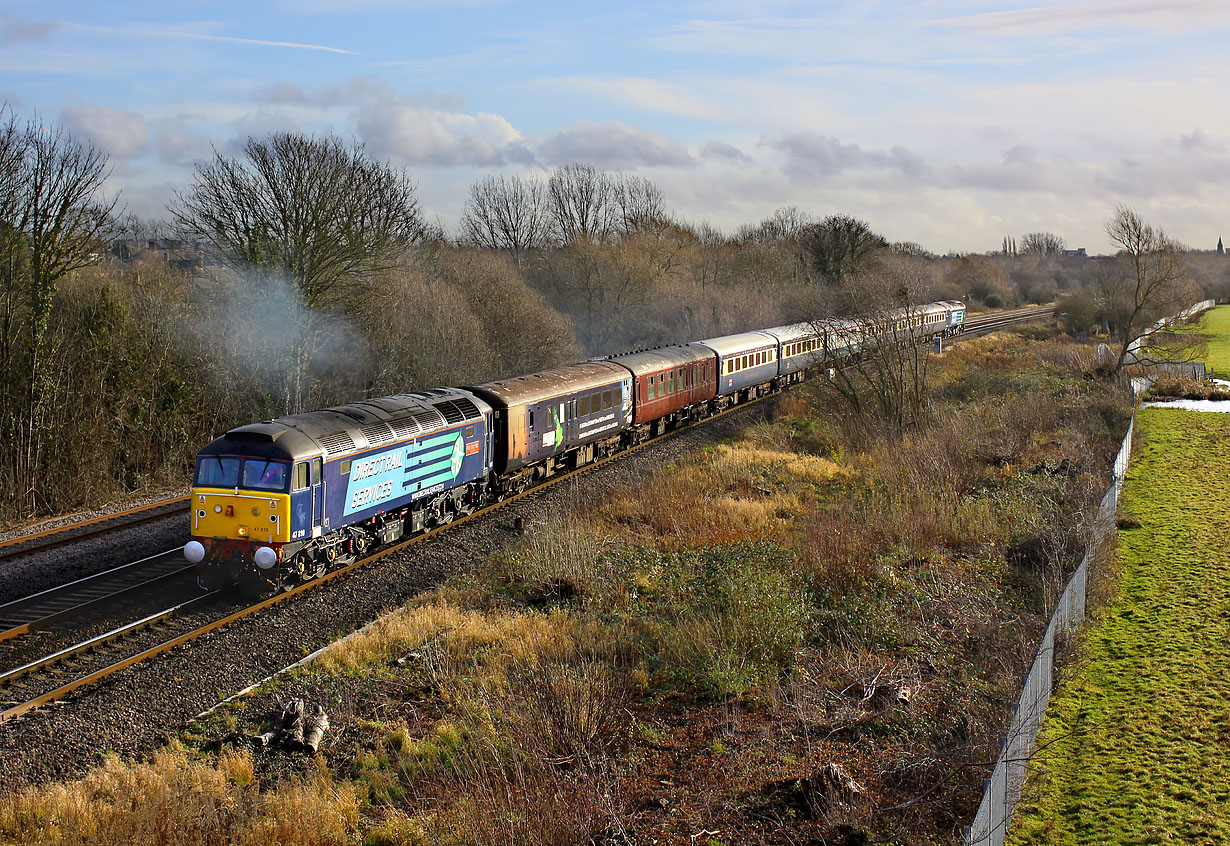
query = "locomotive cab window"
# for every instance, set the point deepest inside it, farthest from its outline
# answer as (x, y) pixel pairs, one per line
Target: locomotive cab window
(260, 474)
(301, 477)
(215, 471)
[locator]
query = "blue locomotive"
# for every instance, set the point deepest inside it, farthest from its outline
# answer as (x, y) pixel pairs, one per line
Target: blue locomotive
(281, 502)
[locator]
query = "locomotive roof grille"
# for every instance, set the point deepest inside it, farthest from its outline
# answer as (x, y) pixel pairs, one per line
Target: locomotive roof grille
(264, 437)
(337, 443)
(452, 414)
(377, 433)
(429, 418)
(405, 427)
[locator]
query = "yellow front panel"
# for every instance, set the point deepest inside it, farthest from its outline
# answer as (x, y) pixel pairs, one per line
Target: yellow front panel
(222, 513)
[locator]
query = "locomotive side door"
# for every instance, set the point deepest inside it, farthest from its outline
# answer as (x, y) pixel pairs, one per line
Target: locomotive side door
(318, 496)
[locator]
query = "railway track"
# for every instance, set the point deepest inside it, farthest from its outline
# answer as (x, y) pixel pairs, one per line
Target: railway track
(13, 708)
(985, 324)
(53, 677)
(94, 527)
(42, 610)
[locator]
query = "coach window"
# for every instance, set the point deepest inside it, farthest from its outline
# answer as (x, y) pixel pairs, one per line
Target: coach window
(584, 406)
(301, 476)
(670, 383)
(531, 418)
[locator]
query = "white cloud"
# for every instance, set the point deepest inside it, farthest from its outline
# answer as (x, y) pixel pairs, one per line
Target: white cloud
(408, 133)
(721, 150)
(614, 145)
(123, 135)
(812, 154)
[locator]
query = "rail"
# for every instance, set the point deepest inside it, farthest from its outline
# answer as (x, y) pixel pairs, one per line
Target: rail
(51, 538)
(37, 611)
(66, 689)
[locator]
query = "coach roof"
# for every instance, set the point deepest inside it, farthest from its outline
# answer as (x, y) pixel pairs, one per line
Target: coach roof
(548, 384)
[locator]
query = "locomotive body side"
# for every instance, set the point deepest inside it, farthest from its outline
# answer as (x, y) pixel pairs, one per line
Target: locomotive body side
(341, 479)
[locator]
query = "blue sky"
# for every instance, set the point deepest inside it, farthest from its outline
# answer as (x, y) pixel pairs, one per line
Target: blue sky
(947, 122)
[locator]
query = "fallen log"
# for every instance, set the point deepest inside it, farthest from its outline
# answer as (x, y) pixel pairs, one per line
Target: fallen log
(317, 727)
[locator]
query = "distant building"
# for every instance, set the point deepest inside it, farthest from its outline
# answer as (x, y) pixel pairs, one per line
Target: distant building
(1079, 252)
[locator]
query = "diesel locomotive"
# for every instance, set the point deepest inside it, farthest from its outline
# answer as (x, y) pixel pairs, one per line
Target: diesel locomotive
(281, 502)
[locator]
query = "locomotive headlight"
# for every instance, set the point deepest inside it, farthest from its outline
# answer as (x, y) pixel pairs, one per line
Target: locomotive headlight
(194, 551)
(265, 557)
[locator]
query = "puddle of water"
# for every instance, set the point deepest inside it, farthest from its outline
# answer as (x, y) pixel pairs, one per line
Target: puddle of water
(1192, 405)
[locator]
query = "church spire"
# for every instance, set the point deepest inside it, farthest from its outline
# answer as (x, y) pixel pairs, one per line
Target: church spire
(1221, 251)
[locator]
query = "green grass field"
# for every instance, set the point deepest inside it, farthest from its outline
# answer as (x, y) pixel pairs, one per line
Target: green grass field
(1215, 325)
(1136, 747)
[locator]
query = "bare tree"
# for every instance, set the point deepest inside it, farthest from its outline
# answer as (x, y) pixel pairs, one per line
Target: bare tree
(312, 212)
(1149, 283)
(882, 371)
(14, 250)
(840, 248)
(1041, 244)
(600, 287)
(579, 198)
(506, 213)
(313, 209)
(639, 205)
(53, 221)
(785, 224)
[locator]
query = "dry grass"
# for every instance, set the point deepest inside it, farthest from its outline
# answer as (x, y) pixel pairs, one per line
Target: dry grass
(770, 601)
(177, 800)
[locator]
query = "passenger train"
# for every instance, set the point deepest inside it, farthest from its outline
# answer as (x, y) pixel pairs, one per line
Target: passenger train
(283, 501)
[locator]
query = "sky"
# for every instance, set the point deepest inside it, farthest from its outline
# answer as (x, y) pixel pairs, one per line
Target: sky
(951, 123)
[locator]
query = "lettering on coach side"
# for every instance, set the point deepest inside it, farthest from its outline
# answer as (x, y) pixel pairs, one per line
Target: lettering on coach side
(376, 466)
(373, 480)
(366, 496)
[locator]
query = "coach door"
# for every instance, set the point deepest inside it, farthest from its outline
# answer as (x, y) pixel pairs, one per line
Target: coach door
(318, 496)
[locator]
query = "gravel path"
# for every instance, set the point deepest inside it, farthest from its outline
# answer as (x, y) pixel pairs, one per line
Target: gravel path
(134, 712)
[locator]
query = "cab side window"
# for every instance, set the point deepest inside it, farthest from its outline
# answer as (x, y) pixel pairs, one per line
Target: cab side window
(301, 477)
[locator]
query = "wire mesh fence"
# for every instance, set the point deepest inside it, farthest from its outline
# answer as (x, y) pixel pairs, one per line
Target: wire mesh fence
(1002, 790)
